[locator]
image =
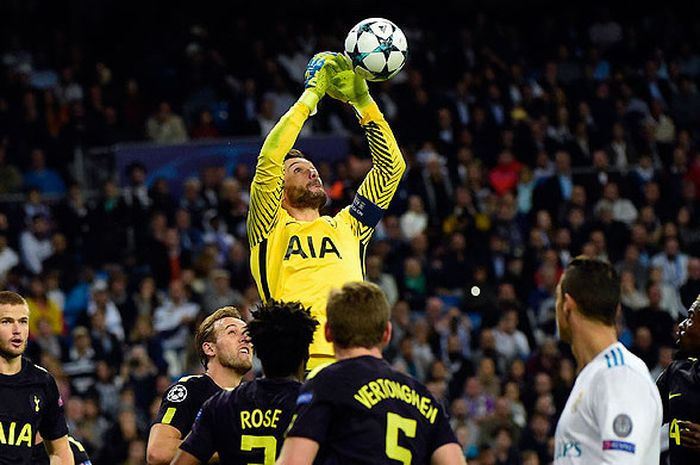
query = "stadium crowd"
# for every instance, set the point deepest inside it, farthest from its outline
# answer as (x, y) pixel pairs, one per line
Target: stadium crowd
(525, 147)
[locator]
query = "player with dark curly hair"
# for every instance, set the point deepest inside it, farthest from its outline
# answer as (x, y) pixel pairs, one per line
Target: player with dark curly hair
(247, 425)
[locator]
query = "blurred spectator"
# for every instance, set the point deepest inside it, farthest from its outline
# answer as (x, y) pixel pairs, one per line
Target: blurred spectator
(35, 245)
(219, 292)
(385, 281)
(39, 176)
(171, 321)
(8, 258)
(102, 302)
(415, 220)
(510, 342)
(689, 291)
(10, 175)
(41, 308)
(80, 363)
(165, 127)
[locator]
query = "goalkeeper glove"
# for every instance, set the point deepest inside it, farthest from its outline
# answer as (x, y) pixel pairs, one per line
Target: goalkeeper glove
(345, 84)
(316, 80)
(316, 75)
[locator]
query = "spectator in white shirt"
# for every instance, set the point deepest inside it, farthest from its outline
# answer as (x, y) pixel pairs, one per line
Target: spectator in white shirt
(8, 258)
(673, 263)
(510, 342)
(35, 245)
(171, 321)
(101, 300)
(415, 220)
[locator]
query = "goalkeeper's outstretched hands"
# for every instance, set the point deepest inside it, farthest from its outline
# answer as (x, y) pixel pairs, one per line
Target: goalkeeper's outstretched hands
(345, 84)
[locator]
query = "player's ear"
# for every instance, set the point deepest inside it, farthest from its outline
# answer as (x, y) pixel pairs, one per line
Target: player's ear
(569, 305)
(386, 337)
(208, 349)
(327, 332)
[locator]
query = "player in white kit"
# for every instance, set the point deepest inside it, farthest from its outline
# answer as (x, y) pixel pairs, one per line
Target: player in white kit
(613, 414)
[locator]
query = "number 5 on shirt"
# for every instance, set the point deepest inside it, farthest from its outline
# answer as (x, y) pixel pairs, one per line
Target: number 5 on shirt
(394, 423)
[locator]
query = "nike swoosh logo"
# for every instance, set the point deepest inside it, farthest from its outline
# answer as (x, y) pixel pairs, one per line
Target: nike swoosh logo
(671, 396)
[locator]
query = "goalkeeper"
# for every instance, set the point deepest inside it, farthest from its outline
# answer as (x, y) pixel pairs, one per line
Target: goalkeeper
(297, 254)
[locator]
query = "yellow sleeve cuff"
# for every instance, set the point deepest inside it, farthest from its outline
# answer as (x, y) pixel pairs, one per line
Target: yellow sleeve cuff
(369, 112)
(310, 101)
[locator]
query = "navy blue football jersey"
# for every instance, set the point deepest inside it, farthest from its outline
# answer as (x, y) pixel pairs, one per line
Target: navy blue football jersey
(245, 425)
(29, 402)
(361, 411)
(183, 399)
(679, 386)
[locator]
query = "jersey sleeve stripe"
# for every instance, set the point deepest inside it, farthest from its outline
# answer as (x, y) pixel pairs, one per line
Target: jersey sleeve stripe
(622, 358)
(169, 414)
(262, 266)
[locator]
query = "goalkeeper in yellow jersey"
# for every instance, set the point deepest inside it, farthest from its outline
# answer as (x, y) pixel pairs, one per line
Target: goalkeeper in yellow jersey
(297, 254)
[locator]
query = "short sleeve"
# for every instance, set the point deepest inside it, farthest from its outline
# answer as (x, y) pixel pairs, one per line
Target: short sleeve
(312, 415)
(178, 408)
(626, 411)
(200, 441)
(53, 421)
(442, 431)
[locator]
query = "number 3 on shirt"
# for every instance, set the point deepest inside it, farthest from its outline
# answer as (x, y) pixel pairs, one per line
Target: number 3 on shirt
(394, 423)
(267, 443)
(674, 432)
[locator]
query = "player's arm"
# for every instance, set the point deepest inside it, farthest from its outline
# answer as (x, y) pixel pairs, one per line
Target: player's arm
(626, 410)
(185, 458)
(177, 412)
(53, 428)
(380, 184)
(199, 444)
(448, 454)
(163, 442)
(59, 451)
(298, 451)
(266, 187)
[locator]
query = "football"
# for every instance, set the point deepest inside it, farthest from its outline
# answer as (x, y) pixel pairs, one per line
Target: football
(377, 48)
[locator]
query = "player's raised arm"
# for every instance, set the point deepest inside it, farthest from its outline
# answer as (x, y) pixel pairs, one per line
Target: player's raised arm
(266, 188)
(380, 184)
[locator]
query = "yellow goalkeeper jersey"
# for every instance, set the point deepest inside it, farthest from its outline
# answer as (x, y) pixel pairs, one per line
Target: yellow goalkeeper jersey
(302, 261)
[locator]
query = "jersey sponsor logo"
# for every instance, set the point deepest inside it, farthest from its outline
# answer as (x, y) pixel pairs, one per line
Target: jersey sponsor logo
(12, 434)
(304, 398)
(308, 249)
(674, 394)
(567, 449)
(619, 445)
(177, 393)
(376, 391)
(622, 425)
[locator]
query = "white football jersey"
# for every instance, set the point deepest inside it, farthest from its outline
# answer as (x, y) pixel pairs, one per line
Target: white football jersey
(613, 414)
